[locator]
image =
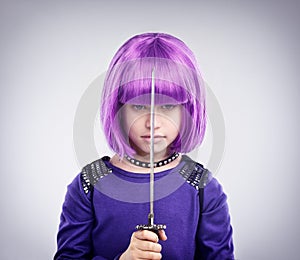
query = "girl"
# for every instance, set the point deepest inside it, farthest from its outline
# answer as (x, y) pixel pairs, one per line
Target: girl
(109, 197)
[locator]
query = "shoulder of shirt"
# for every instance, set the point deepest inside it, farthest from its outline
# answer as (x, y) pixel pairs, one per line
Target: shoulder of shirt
(93, 172)
(194, 173)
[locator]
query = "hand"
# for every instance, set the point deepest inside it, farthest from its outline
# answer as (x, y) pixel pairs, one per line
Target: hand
(144, 245)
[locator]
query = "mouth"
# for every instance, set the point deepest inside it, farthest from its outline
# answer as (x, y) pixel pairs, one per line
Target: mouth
(157, 138)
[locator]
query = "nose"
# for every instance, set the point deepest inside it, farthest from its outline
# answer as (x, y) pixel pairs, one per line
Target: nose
(157, 121)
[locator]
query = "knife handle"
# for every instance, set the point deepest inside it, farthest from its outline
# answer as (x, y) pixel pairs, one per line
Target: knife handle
(152, 227)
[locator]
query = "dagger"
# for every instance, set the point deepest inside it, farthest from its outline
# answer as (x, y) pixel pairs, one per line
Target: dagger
(151, 226)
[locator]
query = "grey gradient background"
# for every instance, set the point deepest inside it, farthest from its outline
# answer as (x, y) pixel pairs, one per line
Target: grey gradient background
(248, 53)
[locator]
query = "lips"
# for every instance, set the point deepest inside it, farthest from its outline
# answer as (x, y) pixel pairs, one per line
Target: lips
(157, 138)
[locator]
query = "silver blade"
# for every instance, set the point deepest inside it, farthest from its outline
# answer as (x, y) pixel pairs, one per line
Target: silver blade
(151, 226)
(151, 214)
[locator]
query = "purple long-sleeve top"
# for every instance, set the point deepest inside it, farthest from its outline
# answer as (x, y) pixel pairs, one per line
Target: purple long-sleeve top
(98, 225)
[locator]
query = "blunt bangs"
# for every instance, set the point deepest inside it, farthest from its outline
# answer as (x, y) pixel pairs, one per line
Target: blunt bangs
(177, 81)
(139, 92)
(133, 79)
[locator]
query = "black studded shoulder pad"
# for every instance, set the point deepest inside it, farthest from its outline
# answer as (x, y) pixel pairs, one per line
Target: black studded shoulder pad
(194, 173)
(93, 172)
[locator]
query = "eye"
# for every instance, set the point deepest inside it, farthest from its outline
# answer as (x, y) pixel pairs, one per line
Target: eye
(168, 107)
(139, 107)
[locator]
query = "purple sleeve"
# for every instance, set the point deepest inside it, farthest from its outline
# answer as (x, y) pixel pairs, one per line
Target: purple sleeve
(215, 231)
(74, 239)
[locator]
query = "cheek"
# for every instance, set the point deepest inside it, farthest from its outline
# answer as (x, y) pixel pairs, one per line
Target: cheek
(175, 119)
(126, 124)
(131, 126)
(126, 120)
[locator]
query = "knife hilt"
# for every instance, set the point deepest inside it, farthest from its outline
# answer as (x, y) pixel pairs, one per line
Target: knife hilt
(151, 226)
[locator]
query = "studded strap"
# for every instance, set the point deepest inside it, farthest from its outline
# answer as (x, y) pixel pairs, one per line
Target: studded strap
(194, 173)
(197, 176)
(93, 172)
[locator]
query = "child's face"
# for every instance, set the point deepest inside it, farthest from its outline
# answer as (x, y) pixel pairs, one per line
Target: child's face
(136, 123)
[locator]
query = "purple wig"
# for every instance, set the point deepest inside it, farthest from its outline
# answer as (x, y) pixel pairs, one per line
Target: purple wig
(177, 81)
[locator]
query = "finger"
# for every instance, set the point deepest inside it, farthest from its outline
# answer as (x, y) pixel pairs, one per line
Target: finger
(144, 245)
(150, 255)
(146, 235)
(162, 235)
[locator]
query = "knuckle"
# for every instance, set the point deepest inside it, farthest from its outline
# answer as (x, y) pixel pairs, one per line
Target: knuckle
(159, 247)
(158, 256)
(133, 236)
(139, 234)
(133, 245)
(144, 234)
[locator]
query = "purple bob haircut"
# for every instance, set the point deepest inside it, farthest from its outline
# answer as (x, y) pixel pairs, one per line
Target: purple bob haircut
(177, 81)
